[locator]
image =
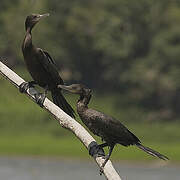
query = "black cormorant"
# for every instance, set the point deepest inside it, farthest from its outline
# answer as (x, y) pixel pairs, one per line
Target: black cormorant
(108, 128)
(42, 68)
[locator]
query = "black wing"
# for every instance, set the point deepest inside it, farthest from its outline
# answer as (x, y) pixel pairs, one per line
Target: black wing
(49, 57)
(111, 129)
(50, 67)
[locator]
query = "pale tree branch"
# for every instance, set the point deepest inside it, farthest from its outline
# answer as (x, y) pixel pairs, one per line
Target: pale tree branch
(64, 120)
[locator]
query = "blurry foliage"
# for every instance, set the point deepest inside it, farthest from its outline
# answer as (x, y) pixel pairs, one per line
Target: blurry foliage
(129, 47)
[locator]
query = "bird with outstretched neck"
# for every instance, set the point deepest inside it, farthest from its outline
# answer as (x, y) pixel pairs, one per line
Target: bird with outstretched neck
(107, 127)
(42, 68)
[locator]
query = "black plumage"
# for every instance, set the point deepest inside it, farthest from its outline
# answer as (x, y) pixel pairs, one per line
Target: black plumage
(108, 128)
(42, 67)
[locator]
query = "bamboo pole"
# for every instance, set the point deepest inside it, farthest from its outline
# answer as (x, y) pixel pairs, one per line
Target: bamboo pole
(64, 120)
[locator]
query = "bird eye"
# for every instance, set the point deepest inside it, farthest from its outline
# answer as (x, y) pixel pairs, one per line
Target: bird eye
(36, 16)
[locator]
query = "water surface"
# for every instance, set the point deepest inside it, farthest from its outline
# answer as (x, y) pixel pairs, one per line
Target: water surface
(34, 168)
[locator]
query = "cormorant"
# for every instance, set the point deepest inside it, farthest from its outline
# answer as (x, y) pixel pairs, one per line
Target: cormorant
(108, 128)
(42, 68)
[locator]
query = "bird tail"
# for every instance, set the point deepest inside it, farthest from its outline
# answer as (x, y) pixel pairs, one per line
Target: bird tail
(151, 152)
(60, 101)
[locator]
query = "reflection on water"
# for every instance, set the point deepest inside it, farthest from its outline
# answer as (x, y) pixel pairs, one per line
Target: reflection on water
(24, 168)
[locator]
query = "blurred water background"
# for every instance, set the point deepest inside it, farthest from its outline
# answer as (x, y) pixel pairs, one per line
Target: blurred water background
(55, 169)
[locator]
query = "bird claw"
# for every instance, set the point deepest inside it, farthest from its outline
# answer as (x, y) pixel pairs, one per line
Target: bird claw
(23, 87)
(101, 171)
(105, 157)
(95, 150)
(104, 163)
(40, 97)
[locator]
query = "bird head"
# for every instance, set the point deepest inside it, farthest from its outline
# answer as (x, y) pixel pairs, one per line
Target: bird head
(32, 19)
(77, 89)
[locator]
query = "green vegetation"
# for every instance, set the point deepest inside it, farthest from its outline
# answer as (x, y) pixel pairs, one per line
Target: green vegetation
(70, 147)
(26, 129)
(127, 47)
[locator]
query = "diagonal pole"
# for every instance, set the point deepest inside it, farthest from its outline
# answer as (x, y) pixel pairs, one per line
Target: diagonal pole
(64, 120)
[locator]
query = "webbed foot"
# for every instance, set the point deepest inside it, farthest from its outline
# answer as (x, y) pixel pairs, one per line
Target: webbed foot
(101, 171)
(104, 163)
(106, 158)
(40, 97)
(23, 87)
(95, 150)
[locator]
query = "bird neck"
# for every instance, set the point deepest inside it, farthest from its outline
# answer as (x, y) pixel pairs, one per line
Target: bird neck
(83, 102)
(27, 43)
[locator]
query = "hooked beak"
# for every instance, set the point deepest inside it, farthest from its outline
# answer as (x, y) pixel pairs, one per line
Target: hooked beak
(67, 88)
(43, 15)
(76, 89)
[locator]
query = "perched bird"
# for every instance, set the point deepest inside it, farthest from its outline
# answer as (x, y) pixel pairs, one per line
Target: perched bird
(108, 128)
(42, 68)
